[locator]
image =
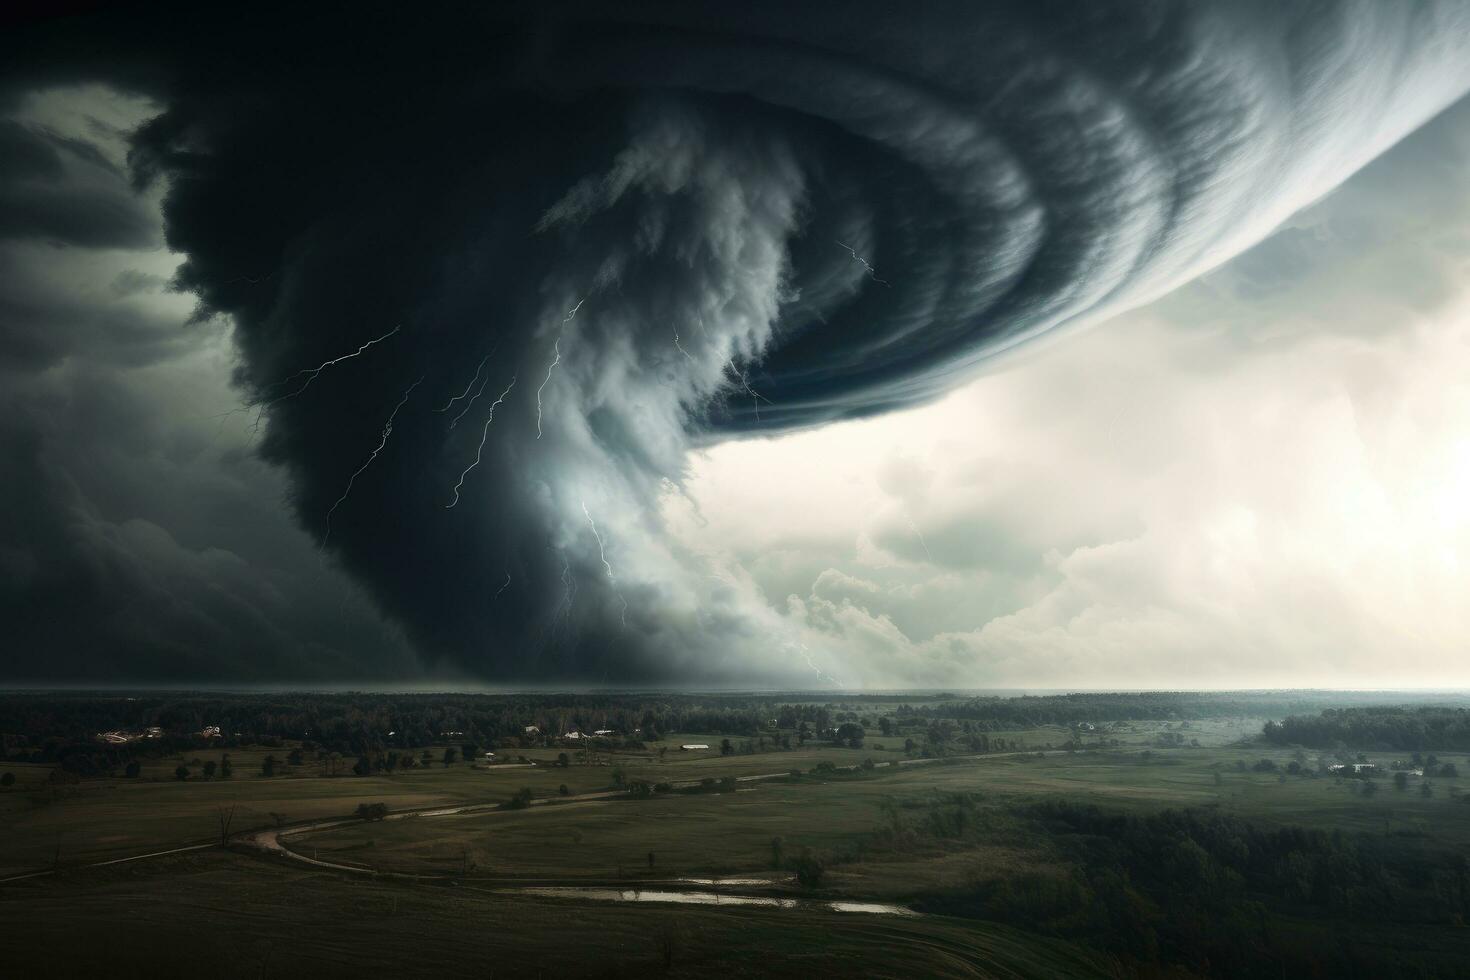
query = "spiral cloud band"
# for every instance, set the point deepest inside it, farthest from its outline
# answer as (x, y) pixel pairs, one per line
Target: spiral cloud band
(493, 274)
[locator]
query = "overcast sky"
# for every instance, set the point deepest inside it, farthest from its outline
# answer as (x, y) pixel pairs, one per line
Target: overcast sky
(1261, 478)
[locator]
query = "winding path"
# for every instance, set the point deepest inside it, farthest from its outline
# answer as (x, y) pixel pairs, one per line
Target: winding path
(270, 839)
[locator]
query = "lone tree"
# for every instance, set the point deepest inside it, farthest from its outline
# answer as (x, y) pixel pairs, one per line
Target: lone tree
(851, 735)
(226, 769)
(449, 756)
(131, 772)
(268, 766)
(209, 769)
(371, 811)
(810, 870)
(225, 815)
(1400, 780)
(776, 844)
(181, 773)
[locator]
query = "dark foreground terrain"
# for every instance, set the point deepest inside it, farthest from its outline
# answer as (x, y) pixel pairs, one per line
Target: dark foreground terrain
(1233, 835)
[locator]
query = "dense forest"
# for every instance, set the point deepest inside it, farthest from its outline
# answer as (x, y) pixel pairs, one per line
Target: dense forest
(1383, 727)
(1214, 894)
(1066, 709)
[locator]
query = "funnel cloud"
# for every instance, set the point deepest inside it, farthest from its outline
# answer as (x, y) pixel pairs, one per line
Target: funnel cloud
(613, 235)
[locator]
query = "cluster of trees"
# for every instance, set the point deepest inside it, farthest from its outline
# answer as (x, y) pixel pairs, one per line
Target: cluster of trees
(1212, 893)
(209, 769)
(1377, 727)
(46, 727)
(62, 729)
(1065, 709)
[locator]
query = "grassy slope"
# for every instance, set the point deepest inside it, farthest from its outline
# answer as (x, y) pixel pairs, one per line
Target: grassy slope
(231, 916)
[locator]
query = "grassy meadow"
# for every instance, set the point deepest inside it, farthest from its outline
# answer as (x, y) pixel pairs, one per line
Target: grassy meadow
(1002, 886)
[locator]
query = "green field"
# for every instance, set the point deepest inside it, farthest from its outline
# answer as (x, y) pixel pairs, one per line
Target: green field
(435, 894)
(270, 920)
(731, 833)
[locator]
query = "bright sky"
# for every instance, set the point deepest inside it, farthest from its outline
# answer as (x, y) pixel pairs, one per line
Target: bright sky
(1262, 480)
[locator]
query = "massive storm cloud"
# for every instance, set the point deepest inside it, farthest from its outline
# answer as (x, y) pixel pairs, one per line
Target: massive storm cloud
(494, 275)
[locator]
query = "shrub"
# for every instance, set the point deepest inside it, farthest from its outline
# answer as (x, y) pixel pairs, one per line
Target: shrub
(809, 868)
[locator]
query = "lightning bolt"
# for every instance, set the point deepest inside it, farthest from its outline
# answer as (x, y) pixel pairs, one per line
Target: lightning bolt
(311, 374)
(873, 275)
(755, 397)
(569, 587)
(681, 348)
(469, 404)
(917, 533)
(450, 404)
(602, 553)
(556, 347)
(821, 674)
(382, 442)
(484, 432)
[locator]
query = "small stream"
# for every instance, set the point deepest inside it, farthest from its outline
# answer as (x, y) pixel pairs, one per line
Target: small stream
(705, 898)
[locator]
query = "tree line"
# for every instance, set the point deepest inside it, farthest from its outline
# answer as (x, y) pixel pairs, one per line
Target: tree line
(1393, 727)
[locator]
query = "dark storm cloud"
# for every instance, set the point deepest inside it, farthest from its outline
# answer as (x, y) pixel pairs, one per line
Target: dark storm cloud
(64, 191)
(134, 546)
(649, 225)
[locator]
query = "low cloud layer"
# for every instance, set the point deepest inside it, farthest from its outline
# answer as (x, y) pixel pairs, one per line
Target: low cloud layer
(490, 281)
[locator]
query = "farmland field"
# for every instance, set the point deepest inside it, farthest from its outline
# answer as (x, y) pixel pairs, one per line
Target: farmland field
(992, 855)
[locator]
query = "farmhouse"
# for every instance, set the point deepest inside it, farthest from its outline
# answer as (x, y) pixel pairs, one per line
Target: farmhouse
(692, 747)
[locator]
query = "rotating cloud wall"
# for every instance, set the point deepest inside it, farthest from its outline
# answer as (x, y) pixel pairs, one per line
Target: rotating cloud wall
(494, 275)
